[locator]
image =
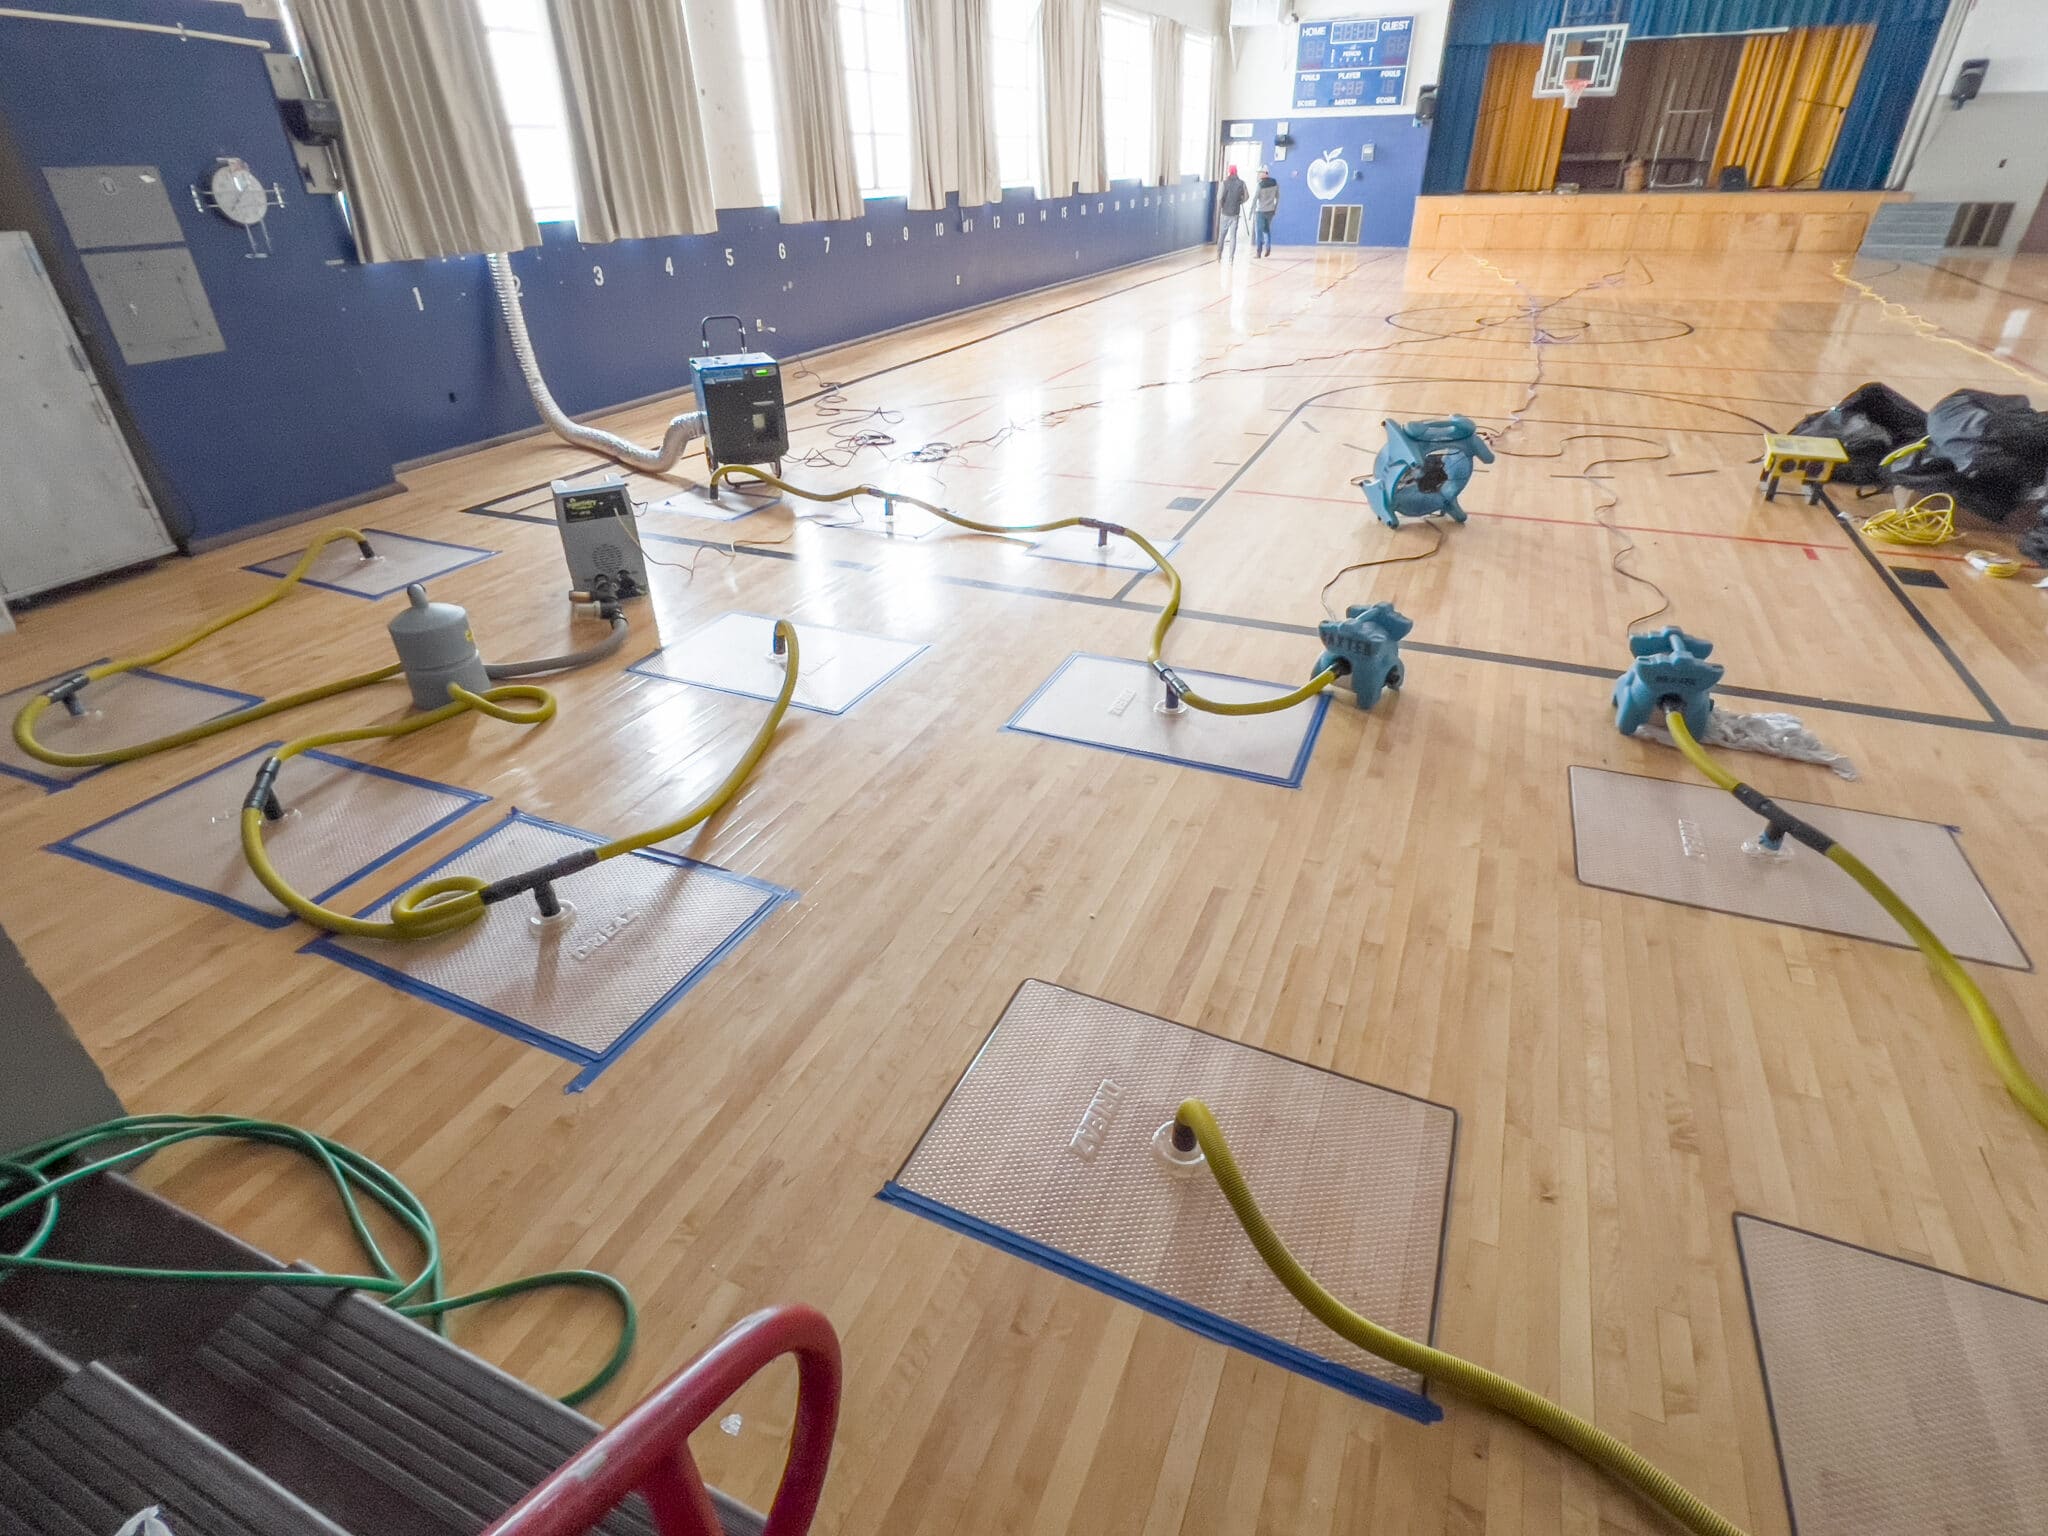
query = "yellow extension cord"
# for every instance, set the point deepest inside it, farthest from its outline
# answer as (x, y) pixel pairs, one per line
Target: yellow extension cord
(453, 902)
(1587, 1441)
(25, 721)
(1930, 520)
(1990, 1033)
(1167, 614)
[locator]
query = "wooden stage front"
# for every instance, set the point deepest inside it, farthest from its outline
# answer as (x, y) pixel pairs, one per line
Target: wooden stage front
(1759, 221)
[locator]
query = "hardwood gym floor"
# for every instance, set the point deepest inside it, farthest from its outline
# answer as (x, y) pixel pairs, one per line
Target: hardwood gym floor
(1627, 1074)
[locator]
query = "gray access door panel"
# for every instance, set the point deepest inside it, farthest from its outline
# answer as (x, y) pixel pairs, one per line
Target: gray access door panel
(154, 303)
(72, 503)
(114, 205)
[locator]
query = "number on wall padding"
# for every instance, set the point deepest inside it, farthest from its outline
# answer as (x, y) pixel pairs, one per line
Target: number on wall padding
(728, 255)
(871, 237)
(781, 251)
(668, 265)
(597, 275)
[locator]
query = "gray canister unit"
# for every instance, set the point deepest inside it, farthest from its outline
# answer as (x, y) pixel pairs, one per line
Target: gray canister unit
(436, 648)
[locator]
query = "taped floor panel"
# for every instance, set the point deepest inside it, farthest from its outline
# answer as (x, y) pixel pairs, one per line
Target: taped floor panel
(342, 820)
(1905, 1400)
(400, 560)
(734, 654)
(1108, 701)
(1081, 546)
(637, 932)
(119, 711)
(865, 516)
(1684, 843)
(1046, 1149)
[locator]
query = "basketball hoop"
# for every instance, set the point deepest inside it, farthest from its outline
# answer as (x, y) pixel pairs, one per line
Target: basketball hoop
(1574, 90)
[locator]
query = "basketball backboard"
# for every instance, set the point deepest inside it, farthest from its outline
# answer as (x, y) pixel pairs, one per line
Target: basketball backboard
(1590, 54)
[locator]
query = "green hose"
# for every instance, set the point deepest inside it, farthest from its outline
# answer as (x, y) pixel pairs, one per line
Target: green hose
(1587, 1441)
(422, 1296)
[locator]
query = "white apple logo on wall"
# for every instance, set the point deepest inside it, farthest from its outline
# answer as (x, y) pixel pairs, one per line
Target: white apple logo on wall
(1327, 174)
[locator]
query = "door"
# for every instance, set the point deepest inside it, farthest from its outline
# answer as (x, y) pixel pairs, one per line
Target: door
(77, 505)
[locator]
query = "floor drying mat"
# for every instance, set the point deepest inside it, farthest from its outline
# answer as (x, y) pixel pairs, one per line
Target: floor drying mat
(837, 668)
(866, 516)
(1106, 701)
(636, 933)
(1046, 1148)
(400, 560)
(1683, 843)
(120, 711)
(342, 820)
(1905, 1400)
(1081, 546)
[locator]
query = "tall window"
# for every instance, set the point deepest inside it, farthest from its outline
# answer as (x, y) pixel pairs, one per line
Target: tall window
(1197, 112)
(523, 59)
(759, 68)
(1126, 93)
(1013, 71)
(877, 93)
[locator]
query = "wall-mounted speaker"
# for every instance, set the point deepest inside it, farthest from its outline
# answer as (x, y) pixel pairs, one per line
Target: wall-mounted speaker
(1969, 81)
(1425, 104)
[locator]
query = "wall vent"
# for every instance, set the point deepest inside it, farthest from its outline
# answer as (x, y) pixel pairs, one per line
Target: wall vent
(1979, 224)
(1339, 224)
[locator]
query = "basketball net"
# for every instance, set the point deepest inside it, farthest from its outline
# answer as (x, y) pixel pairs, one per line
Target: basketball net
(1573, 91)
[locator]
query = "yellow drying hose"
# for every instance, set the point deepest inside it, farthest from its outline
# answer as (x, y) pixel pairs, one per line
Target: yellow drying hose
(25, 721)
(1990, 1033)
(1167, 614)
(452, 902)
(1587, 1441)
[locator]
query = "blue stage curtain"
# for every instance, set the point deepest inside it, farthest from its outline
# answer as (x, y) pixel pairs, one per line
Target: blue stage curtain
(1877, 113)
(1459, 86)
(1870, 133)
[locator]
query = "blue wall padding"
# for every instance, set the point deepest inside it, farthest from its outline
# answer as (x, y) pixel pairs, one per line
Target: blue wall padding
(1385, 186)
(1870, 132)
(335, 371)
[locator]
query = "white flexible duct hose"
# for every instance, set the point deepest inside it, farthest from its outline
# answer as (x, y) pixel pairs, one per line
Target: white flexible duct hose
(682, 431)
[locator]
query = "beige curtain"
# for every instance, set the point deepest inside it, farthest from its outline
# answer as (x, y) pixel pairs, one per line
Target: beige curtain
(428, 158)
(813, 137)
(1222, 50)
(1166, 45)
(952, 113)
(1070, 63)
(631, 98)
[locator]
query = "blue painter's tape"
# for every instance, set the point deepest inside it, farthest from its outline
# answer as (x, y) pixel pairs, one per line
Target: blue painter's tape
(281, 565)
(643, 669)
(593, 1063)
(1409, 1404)
(53, 784)
(71, 848)
(1318, 708)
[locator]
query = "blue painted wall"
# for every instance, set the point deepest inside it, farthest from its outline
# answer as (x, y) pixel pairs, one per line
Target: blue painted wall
(1328, 156)
(335, 371)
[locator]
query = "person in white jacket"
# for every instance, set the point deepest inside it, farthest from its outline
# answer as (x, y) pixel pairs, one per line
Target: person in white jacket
(1265, 203)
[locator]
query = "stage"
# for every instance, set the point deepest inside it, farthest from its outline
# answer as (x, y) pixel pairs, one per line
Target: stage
(1759, 221)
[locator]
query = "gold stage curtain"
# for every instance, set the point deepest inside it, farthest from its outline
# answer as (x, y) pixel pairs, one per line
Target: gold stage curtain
(1518, 138)
(1791, 93)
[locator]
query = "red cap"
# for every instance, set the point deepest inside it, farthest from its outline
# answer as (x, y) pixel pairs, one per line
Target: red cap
(1232, 170)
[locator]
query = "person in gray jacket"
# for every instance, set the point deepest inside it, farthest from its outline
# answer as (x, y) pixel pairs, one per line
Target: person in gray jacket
(1229, 206)
(1265, 203)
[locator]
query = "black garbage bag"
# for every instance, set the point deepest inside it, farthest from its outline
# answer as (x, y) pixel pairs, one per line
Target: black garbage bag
(1988, 451)
(2034, 543)
(1870, 423)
